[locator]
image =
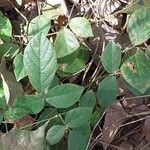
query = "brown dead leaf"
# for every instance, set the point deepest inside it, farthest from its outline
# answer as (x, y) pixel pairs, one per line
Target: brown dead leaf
(17, 139)
(125, 146)
(144, 145)
(12, 88)
(26, 120)
(113, 119)
(146, 129)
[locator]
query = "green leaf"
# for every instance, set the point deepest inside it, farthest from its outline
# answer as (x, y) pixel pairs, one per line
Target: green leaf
(47, 113)
(135, 5)
(5, 28)
(65, 43)
(147, 51)
(81, 27)
(111, 57)
(63, 96)
(3, 104)
(78, 138)
(1, 91)
(39, 24)
(8, 50)
(1, 118)
(107, 91)
(79, 63)
(54, 83)
(15, 113)
(95, 117)
(139, 26)
(55, 134)
(31, 103)
(88, 99)
(136, 71)
(40, 62)
(78, 116)
(53, 10)
(19, 69)
(23, 106)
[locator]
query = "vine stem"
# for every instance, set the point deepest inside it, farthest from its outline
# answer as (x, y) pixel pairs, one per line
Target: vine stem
(64, 122)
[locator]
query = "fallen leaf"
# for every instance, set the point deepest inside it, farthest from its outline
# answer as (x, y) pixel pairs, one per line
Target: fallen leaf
(17, 139)
(113, 119)
(12, 88)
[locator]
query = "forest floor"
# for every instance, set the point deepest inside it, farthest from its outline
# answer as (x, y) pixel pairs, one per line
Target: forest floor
(126, 124)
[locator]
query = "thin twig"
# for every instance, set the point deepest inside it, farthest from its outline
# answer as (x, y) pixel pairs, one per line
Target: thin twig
(94, 129)
(25, 19)
(132, 122)
(91, 62)
(71, 11)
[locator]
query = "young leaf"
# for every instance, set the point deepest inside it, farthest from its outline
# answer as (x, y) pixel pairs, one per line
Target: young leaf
(19, 69)
(39, 24)
(31, 103)
(139, 26)
(111, 57)
(107, 91)
(78, 116)
(88, 99)
(81, 27)
(40, 62)
(136, 71)
(78, 138)
(5, 27)
(65, 43)
(63, 96)
(55, 134)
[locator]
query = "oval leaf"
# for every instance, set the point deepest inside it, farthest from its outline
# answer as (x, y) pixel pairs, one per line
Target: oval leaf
(40, 62)
(19, 69)
(135, 5)
(14, 113)
(78, 116)
(39, 24)
(63, 96)
(78, 138)
(107, 91)
(31, 103)
(111, 57)
(81, 27)
(77, 62)
(5, 27)
(55, 134)
(139, 26)
(65, 43)
(136, 71)
(88, 99)
(8, 50)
